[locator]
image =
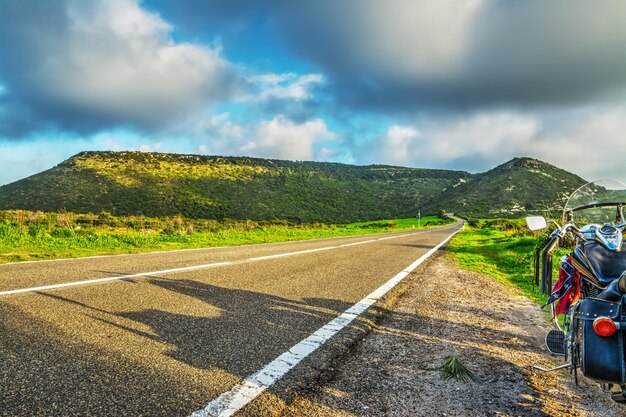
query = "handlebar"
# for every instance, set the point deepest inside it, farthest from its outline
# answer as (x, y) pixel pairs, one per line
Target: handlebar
(544, 252)
(569, 227)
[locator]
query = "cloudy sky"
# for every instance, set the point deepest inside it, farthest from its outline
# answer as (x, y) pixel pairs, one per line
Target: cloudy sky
(459, 84)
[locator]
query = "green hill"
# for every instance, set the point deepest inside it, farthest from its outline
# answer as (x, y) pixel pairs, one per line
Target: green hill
(519, 186)
(155, 184)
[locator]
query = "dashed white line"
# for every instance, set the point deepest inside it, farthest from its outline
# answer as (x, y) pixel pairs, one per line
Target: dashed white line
(119, 255)
(247, 390)
(345, 245)
(101, 280)
(300, 252)
(190, 268)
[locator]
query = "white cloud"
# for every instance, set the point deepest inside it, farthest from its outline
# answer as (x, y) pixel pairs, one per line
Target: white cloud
(440, 142)
(286, 86)
(326, 154)
(398, 144)
(148, 147)
(218, 127)
(589, 141)
(485, 134)
(110, 61)
(283, 139)
(279, 137)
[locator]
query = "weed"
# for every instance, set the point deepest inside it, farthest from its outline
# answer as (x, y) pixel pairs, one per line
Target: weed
(454, 369)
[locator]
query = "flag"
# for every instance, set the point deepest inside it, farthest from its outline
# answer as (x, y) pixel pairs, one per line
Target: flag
(567, 288)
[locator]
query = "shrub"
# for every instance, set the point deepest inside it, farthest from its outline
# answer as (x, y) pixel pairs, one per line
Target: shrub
(473, 222)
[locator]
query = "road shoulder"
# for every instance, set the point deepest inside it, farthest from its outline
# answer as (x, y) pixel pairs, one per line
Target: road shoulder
(496, 332)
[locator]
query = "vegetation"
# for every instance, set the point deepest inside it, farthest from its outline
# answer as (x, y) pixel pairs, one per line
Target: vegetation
(503, 249)
(511, 190)
(211, 187)
(28, 235)
(454, 369)
(219, 188)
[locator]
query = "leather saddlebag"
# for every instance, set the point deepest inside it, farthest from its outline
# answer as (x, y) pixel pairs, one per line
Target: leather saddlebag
(600, 358)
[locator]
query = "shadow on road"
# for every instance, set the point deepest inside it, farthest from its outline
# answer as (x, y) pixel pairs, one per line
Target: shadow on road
(47, 373)
(250, 331)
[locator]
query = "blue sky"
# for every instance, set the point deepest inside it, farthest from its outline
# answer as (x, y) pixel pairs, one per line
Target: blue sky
(458, 84)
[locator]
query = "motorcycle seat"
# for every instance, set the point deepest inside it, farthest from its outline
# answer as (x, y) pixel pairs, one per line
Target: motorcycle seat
(608, 265)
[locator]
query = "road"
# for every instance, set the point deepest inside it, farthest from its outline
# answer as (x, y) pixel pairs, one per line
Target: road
(163, 334)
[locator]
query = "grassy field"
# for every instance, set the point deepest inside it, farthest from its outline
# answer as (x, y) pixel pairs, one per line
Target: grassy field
(503, 249)
(34, 235)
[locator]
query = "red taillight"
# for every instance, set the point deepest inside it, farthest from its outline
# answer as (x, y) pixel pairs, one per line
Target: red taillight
(604, 326)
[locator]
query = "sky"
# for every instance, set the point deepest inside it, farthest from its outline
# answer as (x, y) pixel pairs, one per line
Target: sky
(452, 84)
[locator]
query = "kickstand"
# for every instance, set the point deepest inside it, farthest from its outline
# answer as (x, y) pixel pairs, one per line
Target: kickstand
(556, 368)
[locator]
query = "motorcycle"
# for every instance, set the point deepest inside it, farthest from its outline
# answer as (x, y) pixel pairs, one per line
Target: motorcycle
(588, 302)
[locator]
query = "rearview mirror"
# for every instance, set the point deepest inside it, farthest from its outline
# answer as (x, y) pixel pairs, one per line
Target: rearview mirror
(536, 223)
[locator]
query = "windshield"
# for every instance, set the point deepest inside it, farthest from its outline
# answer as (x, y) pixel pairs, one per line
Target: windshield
(597, 202)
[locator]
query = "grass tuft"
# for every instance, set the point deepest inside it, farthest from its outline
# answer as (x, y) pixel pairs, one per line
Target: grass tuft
(454, 369)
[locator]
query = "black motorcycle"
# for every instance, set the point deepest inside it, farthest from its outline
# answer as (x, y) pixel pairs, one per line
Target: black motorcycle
(588, 301)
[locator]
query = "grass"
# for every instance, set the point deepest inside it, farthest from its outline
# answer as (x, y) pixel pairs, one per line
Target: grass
(503, 250)
(454, 369)
(34, 235)
(409, 223)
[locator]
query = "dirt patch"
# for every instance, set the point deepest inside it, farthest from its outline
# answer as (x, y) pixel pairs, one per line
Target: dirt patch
(496, 332)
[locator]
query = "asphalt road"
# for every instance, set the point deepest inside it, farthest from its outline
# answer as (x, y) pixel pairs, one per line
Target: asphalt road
(167, 343)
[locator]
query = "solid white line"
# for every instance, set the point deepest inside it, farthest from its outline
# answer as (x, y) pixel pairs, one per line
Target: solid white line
(184, 269)
(247, 390)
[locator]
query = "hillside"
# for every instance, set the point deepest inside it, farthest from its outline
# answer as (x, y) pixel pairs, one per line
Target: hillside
(195, 186)
(512, 189)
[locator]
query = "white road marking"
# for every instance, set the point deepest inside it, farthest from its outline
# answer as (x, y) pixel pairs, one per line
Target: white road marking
(345, 245)
(100, 280)
(408, 234)
(187, 268)
(282, 255)
(387, 238)
(247, 390)
(120, 255)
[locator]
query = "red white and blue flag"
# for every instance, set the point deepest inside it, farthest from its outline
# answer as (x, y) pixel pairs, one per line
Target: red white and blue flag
(567, 288)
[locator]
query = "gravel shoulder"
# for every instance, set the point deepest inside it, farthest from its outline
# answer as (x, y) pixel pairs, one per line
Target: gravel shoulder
(494, 330)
